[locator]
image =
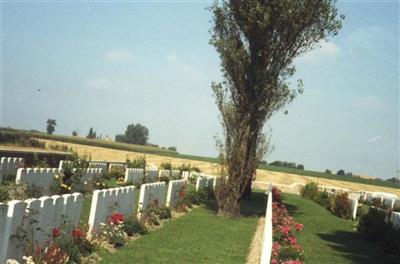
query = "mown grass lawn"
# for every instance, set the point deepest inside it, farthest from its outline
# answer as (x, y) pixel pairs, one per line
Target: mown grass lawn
(198, 237)
(329, 239)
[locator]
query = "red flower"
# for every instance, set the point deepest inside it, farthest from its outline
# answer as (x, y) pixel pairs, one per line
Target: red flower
(292, 240)
(77, 233)
(298, 227)
(116, 218)
(285, 229)
(181, 194)
(56, 232)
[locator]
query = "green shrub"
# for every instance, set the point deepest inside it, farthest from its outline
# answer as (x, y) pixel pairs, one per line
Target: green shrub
(391, 240)
(361, 211)
(166, 165)
(342, 206)
(327, 171)
(325, 199)
(4, 196)
(375, 227)
(309, 191)
(132, 226)
(140, 162)
(340, 172)
(373, 224)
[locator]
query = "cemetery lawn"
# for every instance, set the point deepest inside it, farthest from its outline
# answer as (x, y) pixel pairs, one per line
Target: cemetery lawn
(329, 239)
(197, 237)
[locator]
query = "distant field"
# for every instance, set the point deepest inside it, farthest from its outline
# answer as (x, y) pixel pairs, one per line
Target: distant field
(116, 151)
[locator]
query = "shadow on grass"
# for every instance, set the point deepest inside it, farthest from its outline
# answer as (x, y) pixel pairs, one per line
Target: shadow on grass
(356, 248)
(252, 207)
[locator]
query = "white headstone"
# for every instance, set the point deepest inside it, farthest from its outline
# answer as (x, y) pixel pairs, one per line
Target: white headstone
(174, 187)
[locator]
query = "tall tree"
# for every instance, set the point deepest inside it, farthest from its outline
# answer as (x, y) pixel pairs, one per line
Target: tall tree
(51, 126)
(134, 134)
(91, 134)
(257, 41)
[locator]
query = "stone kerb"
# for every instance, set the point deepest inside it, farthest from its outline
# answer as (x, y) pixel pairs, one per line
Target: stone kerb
(9, 165)
(36, 217)
(151, 194)
(106, 202)
(37, 177)
(266, 249)
(174, 187)
(134, 176)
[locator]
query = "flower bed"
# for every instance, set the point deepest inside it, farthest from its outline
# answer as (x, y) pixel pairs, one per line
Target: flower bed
(285, 249)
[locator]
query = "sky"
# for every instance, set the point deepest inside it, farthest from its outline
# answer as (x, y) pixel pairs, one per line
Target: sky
(106, 65)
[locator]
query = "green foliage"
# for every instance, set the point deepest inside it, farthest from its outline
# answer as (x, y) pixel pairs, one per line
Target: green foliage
(166, 165)
(340, 172)
(187, 167)
(12, 191)
(325, 199)
(139, 162)
(361, 211)
(74, 133)
(172, 148)
(91, 134)
(134, 134)
(38, 162)
(51, 126)
(22, 140)
(300, 167)
(310, 190)
(132, 227)
(156, 213)
(328, 171)
(375, 227)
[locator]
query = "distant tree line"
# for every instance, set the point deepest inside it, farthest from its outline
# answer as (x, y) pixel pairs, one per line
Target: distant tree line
(286, 164)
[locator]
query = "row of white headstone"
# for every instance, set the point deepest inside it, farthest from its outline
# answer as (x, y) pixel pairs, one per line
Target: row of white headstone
(45, 178)
(9, 165)
(38, 217)
(35, 218)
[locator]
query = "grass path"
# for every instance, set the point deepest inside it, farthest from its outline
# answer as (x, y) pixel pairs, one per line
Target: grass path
(198, 237)
(329, 239)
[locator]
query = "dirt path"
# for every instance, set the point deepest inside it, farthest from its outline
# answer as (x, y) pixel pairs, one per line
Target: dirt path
(254, 255)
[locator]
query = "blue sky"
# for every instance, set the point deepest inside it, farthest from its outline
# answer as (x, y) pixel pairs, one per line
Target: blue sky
(107, 65)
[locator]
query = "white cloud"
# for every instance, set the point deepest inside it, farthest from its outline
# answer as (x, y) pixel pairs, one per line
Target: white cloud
(375, 139)
(118, 55)
(325, 50)
(99, 83)
(369, 102)
(186, 68)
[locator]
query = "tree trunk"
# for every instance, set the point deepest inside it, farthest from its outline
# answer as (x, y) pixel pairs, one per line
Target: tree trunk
(247, 192)
(229, 205)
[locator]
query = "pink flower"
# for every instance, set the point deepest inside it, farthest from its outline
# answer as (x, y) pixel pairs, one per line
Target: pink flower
(298, 227)
(274, 261)
(285, 229)
(292, 240)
